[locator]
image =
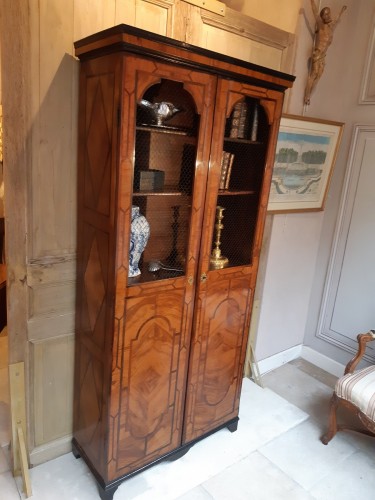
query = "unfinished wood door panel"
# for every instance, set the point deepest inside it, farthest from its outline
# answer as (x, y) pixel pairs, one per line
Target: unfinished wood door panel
(53, 142)
(154, 16)
(240, 36)
(97, 15)
(53, 381)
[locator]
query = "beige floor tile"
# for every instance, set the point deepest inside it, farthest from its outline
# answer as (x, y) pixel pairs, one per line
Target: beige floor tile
(315, 372)
(198, 493)
(300, 454)
(352, 479)
(302, 390)
(254, 477)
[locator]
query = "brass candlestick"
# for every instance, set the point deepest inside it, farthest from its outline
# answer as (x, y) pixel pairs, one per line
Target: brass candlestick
(217, 260)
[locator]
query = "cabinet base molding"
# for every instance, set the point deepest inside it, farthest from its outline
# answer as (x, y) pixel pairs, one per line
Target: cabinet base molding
(107, 490)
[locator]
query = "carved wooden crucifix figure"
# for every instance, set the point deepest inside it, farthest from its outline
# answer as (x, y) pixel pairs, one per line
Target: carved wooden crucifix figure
(325, 27)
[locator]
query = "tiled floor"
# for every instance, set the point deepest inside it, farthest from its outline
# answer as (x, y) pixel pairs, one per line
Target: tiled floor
(275, 454)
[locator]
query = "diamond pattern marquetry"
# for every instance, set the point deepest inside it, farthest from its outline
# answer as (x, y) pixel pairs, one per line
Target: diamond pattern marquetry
(98, 143)
(222, 344)
(94, 284)
(215, 382)
(150, 379)
(91, 396)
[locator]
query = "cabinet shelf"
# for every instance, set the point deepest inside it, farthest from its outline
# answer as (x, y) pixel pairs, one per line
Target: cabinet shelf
(242, 141)
(163, 129)
(147, 276)
(165, 192)
(232, 192)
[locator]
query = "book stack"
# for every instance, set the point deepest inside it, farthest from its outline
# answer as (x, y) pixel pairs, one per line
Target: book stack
(239, 121)
(226, 169)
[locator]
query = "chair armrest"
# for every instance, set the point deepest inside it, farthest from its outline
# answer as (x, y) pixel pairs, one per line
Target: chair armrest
(362, 338)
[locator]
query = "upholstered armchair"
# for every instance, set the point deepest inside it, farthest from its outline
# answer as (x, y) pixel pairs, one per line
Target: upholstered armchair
(356, 391)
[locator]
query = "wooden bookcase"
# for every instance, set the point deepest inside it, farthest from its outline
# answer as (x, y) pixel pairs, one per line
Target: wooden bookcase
(159, 356)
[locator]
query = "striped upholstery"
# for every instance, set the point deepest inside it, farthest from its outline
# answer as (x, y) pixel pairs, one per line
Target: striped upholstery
(359, 388)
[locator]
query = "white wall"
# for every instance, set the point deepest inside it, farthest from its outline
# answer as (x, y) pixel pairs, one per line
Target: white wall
(288, 281)
(300, 243)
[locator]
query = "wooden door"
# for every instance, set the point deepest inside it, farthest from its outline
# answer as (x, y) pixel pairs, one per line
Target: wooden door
(245, 129)
(163, 172)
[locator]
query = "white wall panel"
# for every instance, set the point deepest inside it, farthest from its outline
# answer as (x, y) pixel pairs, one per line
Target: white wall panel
(349, 302)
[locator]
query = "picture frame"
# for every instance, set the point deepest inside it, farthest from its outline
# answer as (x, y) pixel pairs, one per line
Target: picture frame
(305, 155)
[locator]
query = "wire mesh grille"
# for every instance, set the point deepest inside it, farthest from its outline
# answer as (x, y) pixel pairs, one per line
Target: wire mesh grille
(165, 154)
(243, 160)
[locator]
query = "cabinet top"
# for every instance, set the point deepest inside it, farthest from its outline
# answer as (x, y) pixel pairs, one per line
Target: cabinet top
(128, 39)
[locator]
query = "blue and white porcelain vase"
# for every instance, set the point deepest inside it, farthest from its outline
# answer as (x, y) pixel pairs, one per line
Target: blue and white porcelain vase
(139, 235)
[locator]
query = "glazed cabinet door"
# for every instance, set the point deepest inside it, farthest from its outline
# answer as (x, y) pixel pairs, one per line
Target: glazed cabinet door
(166, 126)
(244, 138)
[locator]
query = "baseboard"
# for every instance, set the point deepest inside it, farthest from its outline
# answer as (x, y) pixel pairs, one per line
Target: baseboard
(300, 351)
(322, 361)
(281, 358)
(49, 451)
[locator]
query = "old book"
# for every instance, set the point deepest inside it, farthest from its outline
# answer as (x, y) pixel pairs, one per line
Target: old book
(242, 128)
(235, 123)
(229, 171)
(225, 159)
(254, 123)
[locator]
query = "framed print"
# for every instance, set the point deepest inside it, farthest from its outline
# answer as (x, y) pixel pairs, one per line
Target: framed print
(306, 151)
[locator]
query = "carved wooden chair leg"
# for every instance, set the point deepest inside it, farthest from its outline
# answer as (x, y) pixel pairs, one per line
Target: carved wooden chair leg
(332, 428)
